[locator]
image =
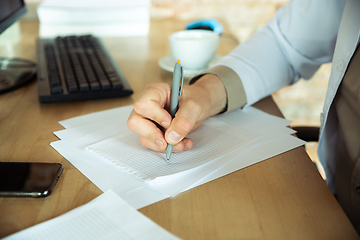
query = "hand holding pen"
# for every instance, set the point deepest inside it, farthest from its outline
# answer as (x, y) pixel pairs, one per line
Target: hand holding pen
(198, 101)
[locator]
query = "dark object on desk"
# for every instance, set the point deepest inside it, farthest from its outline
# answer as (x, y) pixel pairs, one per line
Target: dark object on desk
(24, 179)
(77, 68)
(10, 12)
(15, 72)
(308, 134)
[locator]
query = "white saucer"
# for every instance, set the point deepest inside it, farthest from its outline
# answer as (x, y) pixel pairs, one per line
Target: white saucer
(168, 62)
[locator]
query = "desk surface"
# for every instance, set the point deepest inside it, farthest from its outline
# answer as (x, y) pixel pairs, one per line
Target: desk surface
(283, 197)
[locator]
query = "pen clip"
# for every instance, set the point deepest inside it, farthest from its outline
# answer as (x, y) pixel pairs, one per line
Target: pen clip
(182, 80)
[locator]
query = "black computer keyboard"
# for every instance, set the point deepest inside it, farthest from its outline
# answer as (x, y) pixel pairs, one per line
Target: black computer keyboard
(77, 68)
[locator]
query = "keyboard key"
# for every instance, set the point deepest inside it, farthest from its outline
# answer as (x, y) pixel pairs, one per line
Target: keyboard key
(56, 90)
(95, 86)
(54, 81)
(84, 87)
(73, 88)
(117, 85)
(105, 84)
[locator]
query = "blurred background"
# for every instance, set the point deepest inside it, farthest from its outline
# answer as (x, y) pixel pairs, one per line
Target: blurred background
(301, 103)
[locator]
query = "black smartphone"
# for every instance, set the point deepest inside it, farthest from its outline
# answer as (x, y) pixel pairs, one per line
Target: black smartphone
(24, 179)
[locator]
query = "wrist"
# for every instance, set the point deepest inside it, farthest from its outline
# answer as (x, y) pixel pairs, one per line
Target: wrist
(215, 90)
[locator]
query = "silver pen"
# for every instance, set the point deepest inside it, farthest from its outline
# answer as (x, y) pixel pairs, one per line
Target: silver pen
(174, 101)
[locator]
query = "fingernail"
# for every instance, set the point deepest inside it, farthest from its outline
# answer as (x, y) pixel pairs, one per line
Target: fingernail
(174, 136)
(159, 143)
(165, 124)
(186, 146)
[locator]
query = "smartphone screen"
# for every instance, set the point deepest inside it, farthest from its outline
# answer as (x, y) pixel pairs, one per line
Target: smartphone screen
(28, 179)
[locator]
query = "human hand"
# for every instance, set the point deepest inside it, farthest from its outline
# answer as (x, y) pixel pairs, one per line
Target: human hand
(149, 117)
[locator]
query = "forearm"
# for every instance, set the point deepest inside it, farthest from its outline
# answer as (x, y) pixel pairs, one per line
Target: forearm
(290, 47)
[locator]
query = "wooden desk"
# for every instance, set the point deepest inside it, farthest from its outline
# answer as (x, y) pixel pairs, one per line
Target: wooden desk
(281, 198)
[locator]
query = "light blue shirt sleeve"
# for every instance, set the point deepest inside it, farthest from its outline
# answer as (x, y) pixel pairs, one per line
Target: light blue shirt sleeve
(293, 45)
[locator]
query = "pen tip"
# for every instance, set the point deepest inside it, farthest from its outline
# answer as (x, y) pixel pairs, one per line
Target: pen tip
(178, 61)
(167, 160)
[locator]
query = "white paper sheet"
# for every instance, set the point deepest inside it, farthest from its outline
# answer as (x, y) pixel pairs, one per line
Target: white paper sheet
(78, 134)
(253, 156)
(106, 217)
(97, 117)
(212, 139)
(167, 185)
(79, 4)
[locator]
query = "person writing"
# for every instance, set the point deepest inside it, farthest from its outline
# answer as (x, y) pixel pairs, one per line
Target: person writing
(303, 35)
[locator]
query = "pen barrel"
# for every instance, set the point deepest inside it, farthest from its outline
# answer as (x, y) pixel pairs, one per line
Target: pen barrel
(175, 90)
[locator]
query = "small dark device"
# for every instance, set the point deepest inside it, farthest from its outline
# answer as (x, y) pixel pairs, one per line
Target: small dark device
(23, 179)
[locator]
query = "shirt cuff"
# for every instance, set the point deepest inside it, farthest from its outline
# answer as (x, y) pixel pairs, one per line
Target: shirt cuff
(235, 92)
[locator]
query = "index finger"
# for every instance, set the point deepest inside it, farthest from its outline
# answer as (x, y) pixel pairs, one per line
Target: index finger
(152, 102)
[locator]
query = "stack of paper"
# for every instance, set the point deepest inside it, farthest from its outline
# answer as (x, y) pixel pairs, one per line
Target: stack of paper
(105, 217)
(102, 147)
(110, 18)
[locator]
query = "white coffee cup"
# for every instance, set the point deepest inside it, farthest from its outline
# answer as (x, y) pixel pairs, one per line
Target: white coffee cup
(194, 48)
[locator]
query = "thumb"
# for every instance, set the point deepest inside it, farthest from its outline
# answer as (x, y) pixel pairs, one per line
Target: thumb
(180, 126)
